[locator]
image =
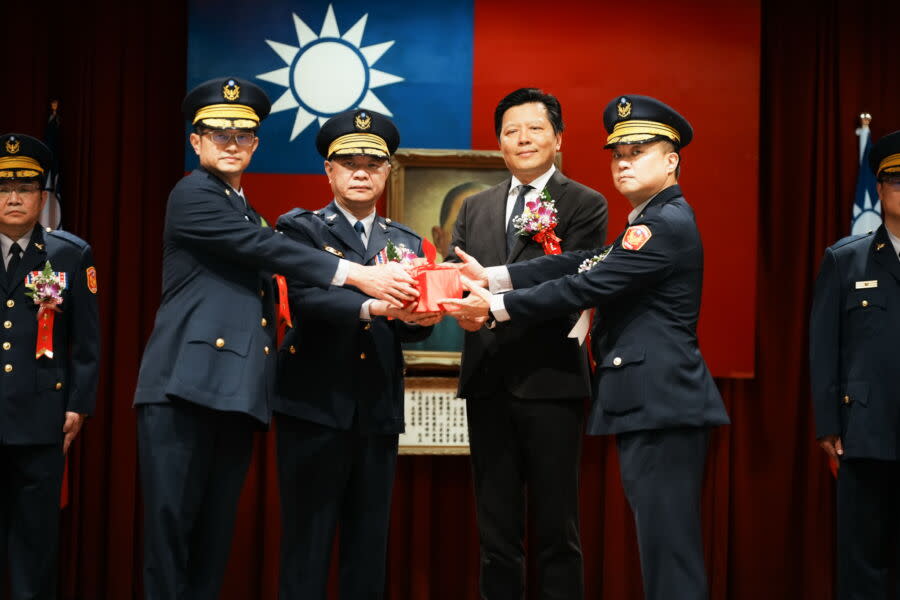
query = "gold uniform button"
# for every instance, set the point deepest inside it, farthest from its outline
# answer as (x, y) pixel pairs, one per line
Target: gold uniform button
(617, 361)
(266, 350)
(10, 303)
(865, 303)
(58, 385)
(263, 322)
(362, 356)
(367, 326)
(262, 293)
(220, 343)
(7, 324)
(292, 350)
(846, 399)
(8, 368)
(7, 345)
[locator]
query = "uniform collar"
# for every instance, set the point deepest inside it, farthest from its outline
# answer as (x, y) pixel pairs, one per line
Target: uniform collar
(367, 221)
(895, 241)
(6, 243)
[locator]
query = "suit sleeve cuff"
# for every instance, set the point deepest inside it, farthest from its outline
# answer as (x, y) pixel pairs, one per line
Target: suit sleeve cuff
(499, 280)
(364, 313)
(498, 308)
(340, 275)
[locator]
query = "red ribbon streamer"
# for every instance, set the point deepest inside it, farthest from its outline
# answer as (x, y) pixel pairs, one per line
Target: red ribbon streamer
(548, 239)
(284, 309)
(45, 318)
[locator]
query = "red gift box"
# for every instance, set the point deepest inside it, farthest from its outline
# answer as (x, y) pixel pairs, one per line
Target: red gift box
(436, 282)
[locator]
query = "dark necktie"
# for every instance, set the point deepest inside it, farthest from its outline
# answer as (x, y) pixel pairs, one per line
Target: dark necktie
(361, 230)
(518, 209)
(15, 257)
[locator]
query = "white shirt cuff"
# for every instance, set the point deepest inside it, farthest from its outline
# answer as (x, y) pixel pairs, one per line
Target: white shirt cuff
(340, 275)
(364, 314)
(499, 280)
(498, 308)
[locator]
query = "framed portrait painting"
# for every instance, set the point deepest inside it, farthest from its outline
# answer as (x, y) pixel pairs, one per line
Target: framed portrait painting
(425, 192)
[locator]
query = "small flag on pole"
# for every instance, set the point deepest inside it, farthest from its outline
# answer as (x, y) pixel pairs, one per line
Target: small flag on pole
(866, 205)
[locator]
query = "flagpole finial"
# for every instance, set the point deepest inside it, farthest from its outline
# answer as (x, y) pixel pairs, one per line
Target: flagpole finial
(864, 119)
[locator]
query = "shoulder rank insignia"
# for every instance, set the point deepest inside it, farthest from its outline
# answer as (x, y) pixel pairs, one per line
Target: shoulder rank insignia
(91, 273)
(39, 246)
(334, 251)
(879, 246)
(331, 218)
(635, 237)
(383, 226)
(388, 221)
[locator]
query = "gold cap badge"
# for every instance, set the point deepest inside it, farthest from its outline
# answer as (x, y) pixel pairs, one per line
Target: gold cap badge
(12, 145)
(231, 91)
(362, 121)
(624, 108)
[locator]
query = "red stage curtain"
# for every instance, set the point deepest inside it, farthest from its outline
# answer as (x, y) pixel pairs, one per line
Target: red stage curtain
(119, 70)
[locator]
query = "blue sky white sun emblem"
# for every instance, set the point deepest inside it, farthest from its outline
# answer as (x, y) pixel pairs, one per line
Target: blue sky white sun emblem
(328, 73)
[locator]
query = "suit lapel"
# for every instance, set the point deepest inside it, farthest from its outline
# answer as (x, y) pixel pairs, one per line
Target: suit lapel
(340, 227)
(497, 220)
(883, 253)
(557, 186)
(377, 239)
(33, 259)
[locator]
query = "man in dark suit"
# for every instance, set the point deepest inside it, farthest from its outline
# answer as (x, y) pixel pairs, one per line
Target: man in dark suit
(341, 375)
(50, 351)
(854, 327)
(525, 385)
(652, 389)
(208, 372)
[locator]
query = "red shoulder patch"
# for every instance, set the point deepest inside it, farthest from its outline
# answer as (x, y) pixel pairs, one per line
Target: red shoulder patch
(635, 237)
(92, 279)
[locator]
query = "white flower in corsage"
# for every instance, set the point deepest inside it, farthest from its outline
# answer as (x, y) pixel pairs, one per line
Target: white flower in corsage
(593, 261)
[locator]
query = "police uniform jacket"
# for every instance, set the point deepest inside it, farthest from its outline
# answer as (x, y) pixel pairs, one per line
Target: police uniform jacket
(213, 341)
(35, 394)
(529, 360)
(854, 328)
(335, 369)
(650, 373)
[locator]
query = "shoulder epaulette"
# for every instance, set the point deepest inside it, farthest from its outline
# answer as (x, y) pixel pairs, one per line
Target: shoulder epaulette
(851, 239)
(65, 235)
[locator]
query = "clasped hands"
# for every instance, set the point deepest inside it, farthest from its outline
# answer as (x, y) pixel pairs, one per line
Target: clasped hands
(395, 294)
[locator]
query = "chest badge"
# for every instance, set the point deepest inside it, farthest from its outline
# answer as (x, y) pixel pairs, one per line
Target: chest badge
(864, 285)
(334, 251)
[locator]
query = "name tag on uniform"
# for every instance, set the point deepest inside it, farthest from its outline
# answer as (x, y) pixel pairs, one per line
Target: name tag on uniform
(862, 285)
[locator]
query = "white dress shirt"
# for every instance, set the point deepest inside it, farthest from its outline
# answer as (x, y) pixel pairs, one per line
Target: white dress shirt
(7, 242)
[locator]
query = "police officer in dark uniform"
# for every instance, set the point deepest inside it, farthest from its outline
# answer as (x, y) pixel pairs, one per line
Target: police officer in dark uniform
(50, 343)
(854, 328)
(208, 372)
(652, 388)
(341, 375)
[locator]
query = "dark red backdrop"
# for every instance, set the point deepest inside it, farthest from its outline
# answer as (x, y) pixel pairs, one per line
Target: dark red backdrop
(119, 69)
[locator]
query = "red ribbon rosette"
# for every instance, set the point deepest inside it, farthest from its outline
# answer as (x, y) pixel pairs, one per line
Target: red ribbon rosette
(548, 239)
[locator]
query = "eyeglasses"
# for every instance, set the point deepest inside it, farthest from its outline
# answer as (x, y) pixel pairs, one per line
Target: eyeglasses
(20, 190)
(223, 138)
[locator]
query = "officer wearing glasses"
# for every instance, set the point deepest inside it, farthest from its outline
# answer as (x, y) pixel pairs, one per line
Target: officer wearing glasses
(208, 372)
(854, 328)
(48, 366)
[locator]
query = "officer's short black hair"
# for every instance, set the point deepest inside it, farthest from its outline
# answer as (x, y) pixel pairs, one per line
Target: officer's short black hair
(526, 96)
